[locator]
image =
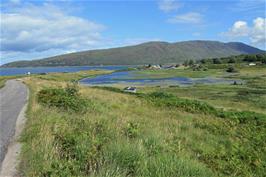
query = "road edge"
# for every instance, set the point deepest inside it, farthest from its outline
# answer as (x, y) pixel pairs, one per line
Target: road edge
(11, 160)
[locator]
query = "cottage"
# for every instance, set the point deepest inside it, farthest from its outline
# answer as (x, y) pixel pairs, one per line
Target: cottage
(252, 64)
(152, 66)
(130, 89)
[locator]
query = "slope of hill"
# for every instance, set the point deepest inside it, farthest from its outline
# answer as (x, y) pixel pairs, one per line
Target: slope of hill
(151, 52)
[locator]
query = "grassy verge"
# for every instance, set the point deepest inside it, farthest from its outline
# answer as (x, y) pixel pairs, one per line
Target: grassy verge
(3, 79)
(146, 135)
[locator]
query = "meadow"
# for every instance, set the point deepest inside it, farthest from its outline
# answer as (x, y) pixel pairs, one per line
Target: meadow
(200, 130)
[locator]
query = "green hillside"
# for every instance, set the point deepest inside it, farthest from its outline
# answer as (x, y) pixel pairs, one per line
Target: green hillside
(151, 52)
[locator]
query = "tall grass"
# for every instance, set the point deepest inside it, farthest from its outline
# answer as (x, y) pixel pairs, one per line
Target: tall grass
(194, 106)
(153, 134)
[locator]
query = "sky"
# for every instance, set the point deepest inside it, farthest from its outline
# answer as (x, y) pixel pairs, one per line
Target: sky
(41, 28)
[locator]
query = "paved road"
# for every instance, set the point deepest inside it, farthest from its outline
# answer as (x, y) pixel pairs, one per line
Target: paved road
(12, 99)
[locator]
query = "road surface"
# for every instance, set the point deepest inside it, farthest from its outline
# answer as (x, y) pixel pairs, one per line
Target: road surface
(13, 97)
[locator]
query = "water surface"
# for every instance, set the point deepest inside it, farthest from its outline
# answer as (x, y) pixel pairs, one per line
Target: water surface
(36, 70)
(129, 78)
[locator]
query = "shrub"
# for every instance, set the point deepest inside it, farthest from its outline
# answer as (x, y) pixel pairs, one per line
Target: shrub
(72, 90)
(164, 99)
(66, 99)
(231, 69)
(231, 60)
(216, 61)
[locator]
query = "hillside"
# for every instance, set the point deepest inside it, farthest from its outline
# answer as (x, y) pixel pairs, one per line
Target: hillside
(151, 52)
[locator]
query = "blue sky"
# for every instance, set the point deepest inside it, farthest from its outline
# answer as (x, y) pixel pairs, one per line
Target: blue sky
(38, 29)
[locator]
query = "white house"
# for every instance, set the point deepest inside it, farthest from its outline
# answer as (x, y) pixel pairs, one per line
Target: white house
(252, 64)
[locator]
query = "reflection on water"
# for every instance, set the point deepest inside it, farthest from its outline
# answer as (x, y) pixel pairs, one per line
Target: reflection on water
(129, 78)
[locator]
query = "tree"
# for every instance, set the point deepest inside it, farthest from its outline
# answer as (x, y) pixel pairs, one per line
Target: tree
(186, 63)
(250, 58)
(231, 60)
(263, 60)
(203, 61)
(191, 62)
(216, 61)
(231, 69)
(261, 57)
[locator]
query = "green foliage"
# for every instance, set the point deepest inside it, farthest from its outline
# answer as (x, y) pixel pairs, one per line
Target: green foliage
(127, 157)
(191, 62)
(113, 89)
(231, 69)
(169, 100)
(261, 58)
(194, 106)
(199, 68)
(132, 130)
(66, 99)
(217, 61)
(203, 61)
(151, 134)
(231, 60)
(243, 152)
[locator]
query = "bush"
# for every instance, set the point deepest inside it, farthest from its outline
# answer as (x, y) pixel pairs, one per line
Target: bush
(231, 69)
(231, 60)
(72, 90)
(66, 99)
(169, 100)
(216, 61)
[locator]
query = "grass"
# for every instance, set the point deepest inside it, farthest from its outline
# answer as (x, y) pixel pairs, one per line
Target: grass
(179, 132)
(250, 96)
(187, 72)
(3, 79)
(73, 76)
(97, 144)
(222, 96)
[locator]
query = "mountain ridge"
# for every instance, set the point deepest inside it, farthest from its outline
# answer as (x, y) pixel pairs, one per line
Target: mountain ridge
(155, 52)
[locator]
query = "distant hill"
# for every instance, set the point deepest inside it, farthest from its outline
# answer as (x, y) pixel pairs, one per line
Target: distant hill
(151, 52)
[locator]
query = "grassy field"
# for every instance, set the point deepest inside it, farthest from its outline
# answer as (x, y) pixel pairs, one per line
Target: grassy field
(202, 130)
(172, 131)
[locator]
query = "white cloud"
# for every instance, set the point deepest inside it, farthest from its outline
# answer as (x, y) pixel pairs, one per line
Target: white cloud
(240, 28)
(169, 5)
(256, 33)
(40, 28)
(191, 17)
